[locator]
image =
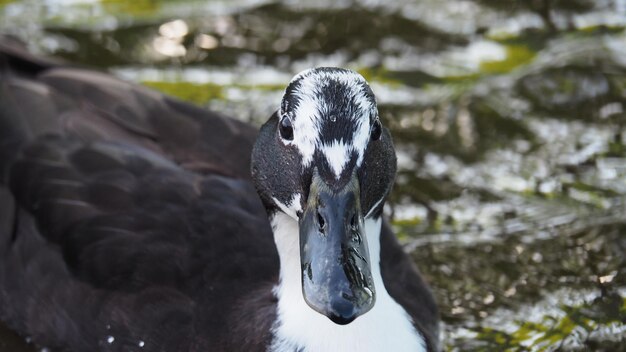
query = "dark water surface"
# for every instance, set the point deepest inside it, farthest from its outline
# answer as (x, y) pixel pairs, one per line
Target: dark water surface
(509, 118)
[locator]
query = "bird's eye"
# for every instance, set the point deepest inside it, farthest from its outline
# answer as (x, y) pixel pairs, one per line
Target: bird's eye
(286, 129)
(376, 130)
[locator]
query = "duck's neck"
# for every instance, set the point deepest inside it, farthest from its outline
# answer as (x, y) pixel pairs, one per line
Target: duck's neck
(386, 327)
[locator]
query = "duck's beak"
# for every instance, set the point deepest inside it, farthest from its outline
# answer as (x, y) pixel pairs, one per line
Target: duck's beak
(336, 269)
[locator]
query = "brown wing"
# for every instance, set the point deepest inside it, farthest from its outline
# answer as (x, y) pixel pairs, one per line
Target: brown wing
(125, 215)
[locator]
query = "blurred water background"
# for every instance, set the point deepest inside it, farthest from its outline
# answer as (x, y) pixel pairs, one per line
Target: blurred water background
(509, 118)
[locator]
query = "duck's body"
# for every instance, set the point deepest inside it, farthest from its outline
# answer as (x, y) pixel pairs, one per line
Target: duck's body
(129, 221)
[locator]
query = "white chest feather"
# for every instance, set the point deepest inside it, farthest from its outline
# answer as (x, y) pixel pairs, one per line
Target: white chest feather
(386, 327)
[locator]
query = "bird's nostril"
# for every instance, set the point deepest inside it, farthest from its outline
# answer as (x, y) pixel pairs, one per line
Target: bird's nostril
(354, 223)
(321, 222)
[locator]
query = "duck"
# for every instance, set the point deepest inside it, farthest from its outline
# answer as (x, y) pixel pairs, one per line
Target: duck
(133, 221)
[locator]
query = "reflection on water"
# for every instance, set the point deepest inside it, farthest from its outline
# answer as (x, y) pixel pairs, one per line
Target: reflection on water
(509, 118)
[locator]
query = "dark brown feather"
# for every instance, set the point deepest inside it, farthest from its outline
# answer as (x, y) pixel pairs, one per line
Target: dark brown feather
(118, 206)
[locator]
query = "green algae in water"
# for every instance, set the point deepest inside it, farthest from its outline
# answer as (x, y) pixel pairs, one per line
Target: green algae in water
(196, 93)
(516, 56)
(570, 327)
(380, 75)
(135, 8)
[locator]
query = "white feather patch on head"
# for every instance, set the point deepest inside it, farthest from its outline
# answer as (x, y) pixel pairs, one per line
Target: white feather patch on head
(337, 154)
(292, 207)
(307, 116)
